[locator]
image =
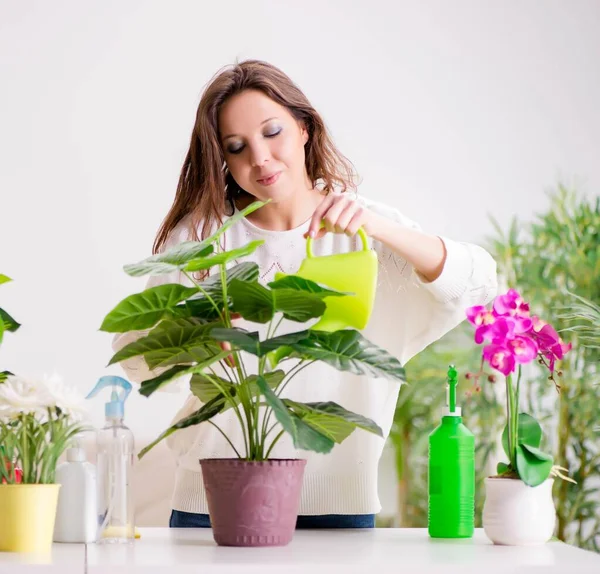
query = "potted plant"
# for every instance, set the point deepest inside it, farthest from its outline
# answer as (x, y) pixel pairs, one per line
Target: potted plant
(518, 508)
(38, 421)
(253, 500)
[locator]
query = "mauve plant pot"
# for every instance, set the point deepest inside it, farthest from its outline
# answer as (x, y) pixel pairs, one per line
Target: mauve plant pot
(252, 503)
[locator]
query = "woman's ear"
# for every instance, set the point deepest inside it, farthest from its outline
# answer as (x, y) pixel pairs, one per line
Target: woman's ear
(304, 133)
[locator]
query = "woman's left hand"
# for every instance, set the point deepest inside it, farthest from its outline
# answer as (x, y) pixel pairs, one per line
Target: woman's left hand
(341, 213)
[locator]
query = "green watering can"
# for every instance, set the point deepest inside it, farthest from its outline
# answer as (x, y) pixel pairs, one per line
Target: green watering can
(354, 272)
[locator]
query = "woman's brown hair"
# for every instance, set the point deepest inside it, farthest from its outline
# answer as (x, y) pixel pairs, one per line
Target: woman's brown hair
(206, 186)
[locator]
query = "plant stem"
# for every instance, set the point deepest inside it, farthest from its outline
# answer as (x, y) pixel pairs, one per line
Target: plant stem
(235, 408)
(516, 411)
(226, 438)
(510, 422)
(279, 435)
(205, 293)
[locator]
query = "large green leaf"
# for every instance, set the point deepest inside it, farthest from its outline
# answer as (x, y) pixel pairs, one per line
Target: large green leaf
(300, 284)
(171, 260)
(303, 435)
(152, 385)
(171, 341)
(8, 322)
(143, 310)
(202, 307)
(344, 350)
(298, 306)
(533, 465)
(240, 339)
(223, 257)
(4, 279)
(249, 342)
(530, 433)
(252, 301)
(201, 386)
(204, 388)
(256, 303)
(205, 413)
(332, 420)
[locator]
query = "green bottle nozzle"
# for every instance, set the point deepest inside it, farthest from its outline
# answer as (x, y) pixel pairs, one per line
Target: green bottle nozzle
(451, 383)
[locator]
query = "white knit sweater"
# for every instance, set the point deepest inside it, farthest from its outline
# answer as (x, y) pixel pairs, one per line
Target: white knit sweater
(408, 316)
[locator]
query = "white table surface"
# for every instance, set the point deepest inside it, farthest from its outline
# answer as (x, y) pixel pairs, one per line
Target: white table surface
(179, 551)
(63, 559)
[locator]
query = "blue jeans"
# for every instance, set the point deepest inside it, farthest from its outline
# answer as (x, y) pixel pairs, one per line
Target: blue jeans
(181, 519)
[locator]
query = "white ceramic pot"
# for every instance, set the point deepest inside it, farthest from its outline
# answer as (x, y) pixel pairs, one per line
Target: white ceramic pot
(516, 514)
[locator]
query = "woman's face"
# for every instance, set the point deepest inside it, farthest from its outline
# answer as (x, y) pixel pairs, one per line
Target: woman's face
(263, 146)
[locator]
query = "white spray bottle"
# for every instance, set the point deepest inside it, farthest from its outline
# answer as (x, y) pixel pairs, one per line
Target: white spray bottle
(114, 467)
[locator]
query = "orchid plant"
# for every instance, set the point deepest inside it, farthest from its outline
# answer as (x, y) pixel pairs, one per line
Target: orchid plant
(513, 338)
(39, 419)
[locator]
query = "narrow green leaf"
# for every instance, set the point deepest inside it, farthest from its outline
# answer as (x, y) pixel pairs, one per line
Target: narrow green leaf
(3, 376)
(223, 257)
(4, 279)
(143, 310)
(304, 436)
(533, 465)
(205, 413)
(332, 420)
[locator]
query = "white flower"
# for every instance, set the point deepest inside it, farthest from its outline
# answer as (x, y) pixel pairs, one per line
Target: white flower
(20, 395)
(66, 398)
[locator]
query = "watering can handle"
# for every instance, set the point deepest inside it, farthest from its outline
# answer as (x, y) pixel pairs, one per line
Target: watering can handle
(361, 234)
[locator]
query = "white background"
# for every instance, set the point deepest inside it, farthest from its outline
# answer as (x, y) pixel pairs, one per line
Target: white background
(449, 111)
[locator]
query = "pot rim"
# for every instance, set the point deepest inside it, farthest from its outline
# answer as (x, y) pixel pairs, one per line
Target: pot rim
(241, 461)
(30, 485)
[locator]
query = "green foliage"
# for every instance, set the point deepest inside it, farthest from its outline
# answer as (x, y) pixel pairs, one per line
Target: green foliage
(189, 331)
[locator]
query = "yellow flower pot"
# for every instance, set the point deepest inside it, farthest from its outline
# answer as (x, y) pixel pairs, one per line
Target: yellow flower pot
(27, 515)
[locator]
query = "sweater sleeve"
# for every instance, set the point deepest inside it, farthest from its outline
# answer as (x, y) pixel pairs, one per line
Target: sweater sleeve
(136, 368)
(422, 312)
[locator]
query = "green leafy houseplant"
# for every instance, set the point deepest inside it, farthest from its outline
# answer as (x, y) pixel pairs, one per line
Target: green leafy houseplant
(191, 332)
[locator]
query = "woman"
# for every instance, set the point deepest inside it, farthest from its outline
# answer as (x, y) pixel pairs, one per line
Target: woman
(256, 136)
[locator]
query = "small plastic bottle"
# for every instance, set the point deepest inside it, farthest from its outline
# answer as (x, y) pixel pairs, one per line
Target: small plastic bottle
(451, 472)
(115, 455)
(76, 520)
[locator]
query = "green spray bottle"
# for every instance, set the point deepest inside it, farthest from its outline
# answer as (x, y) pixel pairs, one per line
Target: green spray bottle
(451, 472)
